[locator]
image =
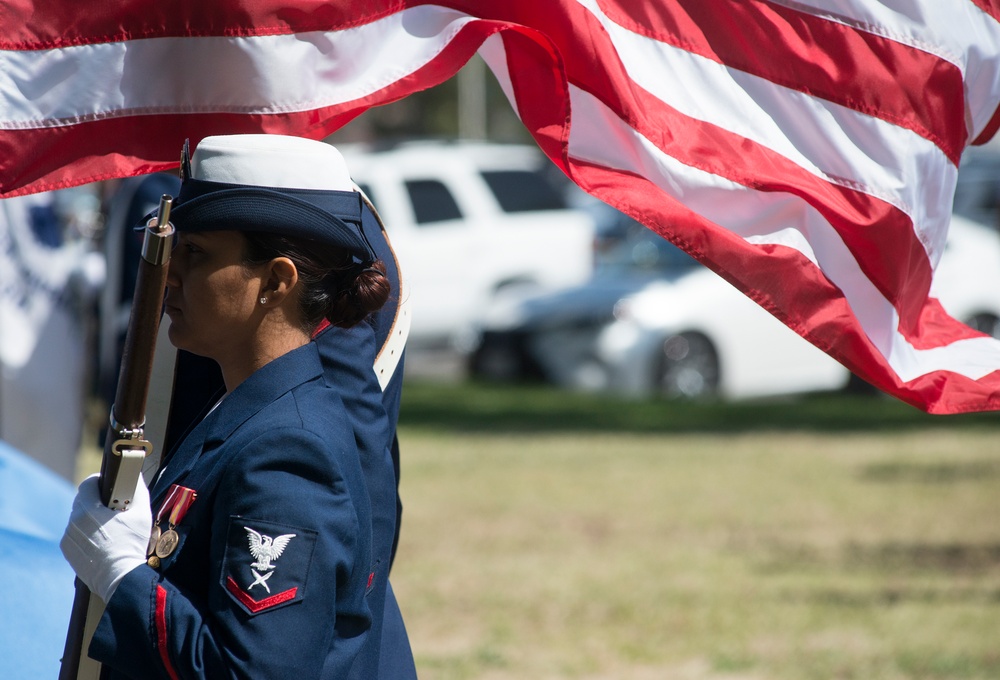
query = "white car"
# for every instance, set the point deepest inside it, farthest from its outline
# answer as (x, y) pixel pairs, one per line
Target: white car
(699, 336)
(468, 220)
(967, 280)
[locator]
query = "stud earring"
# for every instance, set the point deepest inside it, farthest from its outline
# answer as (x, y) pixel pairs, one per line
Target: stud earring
(263, 300)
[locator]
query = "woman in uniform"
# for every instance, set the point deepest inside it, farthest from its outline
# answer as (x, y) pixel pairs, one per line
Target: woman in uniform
(260, 560)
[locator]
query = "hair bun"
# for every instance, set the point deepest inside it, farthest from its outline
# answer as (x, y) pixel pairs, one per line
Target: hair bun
(362, 290)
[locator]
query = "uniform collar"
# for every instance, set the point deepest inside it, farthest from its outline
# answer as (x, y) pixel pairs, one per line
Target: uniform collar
(263, 387)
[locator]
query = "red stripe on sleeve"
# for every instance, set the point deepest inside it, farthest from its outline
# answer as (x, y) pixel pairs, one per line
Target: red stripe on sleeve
(161, 631)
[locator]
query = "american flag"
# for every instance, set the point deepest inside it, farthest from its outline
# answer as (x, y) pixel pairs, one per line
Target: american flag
(806, 151)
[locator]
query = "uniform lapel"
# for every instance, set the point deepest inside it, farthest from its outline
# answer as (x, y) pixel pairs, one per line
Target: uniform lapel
(260, 389)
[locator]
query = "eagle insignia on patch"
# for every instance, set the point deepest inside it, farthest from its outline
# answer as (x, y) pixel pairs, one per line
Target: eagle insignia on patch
(265, 550)
(256, 578)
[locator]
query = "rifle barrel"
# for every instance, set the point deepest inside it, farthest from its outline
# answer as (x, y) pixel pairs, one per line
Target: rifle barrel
(125, 429)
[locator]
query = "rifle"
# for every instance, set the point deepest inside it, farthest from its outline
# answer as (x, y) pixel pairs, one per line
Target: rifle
(125, 447)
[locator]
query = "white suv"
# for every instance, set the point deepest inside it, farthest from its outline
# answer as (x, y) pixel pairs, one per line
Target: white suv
(468, 220)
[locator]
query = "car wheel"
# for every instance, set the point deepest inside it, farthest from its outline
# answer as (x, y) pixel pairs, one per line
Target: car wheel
(985, 323)
(688, 367)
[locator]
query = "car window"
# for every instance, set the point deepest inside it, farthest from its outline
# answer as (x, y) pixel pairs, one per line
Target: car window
(977, 194)
(432, 201)
(523, 190)
(624, 246)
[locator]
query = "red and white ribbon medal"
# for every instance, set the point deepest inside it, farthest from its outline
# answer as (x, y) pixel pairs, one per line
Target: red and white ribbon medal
(163, 543)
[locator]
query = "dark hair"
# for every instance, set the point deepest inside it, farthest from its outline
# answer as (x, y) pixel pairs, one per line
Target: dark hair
(334, 286)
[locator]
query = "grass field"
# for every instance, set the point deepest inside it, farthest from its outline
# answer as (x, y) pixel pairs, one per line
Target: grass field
(548, 535)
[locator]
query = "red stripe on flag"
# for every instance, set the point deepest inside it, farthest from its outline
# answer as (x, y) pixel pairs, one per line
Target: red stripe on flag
(868, 73)
(936, 328)
(990, 129)
(991, 7)
(541, 93)
(38, 25)
(161, 632)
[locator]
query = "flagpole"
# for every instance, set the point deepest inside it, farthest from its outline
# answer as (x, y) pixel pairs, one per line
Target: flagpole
(472, 123)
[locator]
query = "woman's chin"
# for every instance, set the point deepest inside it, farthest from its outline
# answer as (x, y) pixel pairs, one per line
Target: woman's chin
(178, 339)
(175, 336)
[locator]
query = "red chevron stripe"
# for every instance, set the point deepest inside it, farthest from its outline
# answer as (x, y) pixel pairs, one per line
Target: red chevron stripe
(259, 605)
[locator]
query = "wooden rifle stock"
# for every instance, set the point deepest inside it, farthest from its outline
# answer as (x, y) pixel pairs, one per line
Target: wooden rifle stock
(125, 446)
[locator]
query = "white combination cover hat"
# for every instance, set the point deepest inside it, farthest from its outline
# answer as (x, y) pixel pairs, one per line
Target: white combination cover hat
(271, 183)
(278, 161)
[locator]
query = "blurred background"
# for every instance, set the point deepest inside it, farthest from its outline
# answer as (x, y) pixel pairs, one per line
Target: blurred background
(614, 464)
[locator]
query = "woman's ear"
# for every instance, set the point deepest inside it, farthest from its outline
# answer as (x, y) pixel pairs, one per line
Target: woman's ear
(279, 279)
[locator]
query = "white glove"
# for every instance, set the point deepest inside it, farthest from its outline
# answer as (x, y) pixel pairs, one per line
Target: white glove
(102, 545)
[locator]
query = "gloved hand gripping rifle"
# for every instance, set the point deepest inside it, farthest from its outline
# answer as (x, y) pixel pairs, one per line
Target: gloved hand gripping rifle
(125, 448)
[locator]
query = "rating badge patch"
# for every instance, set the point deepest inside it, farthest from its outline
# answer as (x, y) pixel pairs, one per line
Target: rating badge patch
(266, 563)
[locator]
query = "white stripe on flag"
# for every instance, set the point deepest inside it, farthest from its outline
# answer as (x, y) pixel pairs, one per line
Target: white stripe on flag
(246, 75)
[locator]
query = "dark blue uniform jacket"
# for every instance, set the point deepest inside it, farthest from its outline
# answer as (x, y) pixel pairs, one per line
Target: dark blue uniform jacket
(274, 465)
(347, 356)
